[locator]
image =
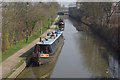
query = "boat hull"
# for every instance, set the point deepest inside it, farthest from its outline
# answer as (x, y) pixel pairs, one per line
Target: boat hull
(46, 69)
(33, 61)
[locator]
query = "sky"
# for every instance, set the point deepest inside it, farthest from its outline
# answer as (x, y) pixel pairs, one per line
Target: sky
(59, 0)
(66, 4)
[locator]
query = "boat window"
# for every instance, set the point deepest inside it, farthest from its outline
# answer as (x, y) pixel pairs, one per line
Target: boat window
(45, 49)
(48, 48)
(37, 48)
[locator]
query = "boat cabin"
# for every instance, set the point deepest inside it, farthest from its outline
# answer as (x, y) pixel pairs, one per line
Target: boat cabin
(49, 44)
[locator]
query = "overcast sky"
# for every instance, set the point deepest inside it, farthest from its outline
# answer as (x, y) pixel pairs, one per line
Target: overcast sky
(66, 4)
(60, 0)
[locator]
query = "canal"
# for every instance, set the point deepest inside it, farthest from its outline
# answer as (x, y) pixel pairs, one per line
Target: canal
(83, 56)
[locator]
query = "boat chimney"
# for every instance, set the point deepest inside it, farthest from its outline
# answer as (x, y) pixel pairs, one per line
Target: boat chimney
(40, 39)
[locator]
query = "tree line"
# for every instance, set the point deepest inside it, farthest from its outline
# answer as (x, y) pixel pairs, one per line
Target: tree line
(102, 17)
(22, 19)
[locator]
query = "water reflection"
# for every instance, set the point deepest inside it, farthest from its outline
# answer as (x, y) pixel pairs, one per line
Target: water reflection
(83, 56)
(99, 57)
(90, 50)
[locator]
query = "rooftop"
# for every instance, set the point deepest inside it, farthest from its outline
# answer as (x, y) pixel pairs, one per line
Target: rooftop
(49, 39)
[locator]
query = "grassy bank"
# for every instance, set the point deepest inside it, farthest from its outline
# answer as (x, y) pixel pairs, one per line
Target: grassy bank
(19, 45)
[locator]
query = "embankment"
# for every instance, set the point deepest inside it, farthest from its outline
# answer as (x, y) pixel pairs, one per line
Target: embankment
(110, 35)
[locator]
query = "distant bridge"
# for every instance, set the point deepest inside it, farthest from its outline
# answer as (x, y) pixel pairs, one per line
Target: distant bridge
(64, 12)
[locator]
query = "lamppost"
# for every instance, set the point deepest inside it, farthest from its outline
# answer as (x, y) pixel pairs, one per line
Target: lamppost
(51, 20)
(27, 32)
(41, 27)
(50, 23)
(27, 14)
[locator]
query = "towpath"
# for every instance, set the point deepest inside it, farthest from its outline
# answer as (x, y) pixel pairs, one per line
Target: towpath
(8, 65)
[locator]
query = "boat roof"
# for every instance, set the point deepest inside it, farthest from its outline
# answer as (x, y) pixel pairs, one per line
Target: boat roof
(50, 40)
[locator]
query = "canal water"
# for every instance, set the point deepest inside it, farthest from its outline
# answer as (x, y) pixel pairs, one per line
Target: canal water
(83, 56)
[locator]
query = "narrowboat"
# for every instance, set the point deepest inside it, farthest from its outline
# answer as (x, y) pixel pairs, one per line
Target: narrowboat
(45, 50)
(61, 24)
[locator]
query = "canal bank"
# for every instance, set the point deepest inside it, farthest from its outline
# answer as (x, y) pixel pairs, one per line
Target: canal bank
(110, 33)
(13, 65)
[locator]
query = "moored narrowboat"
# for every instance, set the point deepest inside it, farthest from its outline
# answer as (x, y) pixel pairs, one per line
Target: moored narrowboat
(46, 48)
(60, 24)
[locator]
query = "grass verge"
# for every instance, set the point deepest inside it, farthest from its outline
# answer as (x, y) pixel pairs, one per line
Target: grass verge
(19, 45)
